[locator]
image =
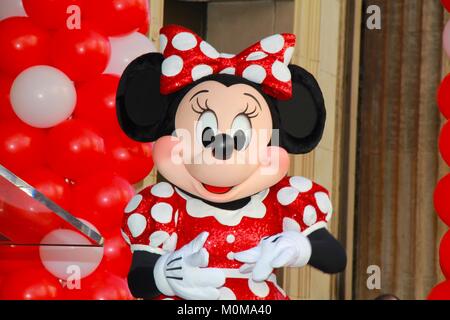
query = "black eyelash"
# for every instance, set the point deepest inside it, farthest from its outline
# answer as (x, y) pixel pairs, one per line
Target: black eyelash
(202, 108)
(252, 114)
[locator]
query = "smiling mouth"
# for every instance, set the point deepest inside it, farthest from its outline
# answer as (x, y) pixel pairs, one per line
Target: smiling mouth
(216, 190)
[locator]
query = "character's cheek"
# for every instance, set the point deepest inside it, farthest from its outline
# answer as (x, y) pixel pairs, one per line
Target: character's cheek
(168, 149)
(274, 160)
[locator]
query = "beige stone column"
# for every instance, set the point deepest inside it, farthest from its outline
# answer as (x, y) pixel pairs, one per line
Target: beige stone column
(319, 25)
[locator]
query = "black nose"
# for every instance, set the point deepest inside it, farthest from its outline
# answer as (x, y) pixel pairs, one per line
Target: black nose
(223, 147)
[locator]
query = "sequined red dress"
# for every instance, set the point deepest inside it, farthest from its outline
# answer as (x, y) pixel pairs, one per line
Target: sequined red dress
(161, 219)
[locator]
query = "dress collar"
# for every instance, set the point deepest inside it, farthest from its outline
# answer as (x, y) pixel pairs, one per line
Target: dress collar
(199, 209)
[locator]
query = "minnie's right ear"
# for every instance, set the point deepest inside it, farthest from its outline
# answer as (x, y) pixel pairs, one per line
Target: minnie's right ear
(141, 108)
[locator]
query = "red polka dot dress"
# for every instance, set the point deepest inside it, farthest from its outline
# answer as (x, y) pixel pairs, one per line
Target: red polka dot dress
(162, 219)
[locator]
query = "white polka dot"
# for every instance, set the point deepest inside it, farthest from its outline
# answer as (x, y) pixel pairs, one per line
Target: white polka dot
(200, 71)
(168, 299)
(255, 73)
(125, 237)
(257, 55)
(280, 71)
(273, 44)
(172, 66)
(259, 289)
(226, 294)
(133, 204)
(309, 216)
(291, 225)
(162, 190)
(158, 237)
(171, 243)
(231, 238)
(162, 43)
(227, 55)
(136, 224)
(287, 195)
(288, 55)
(229, 70)
(230, 255)
(323, 202)
(184, 41)
(162, 212)
(208, 50)
(301, 184)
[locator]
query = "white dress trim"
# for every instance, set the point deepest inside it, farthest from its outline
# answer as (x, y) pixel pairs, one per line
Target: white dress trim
(254, 209)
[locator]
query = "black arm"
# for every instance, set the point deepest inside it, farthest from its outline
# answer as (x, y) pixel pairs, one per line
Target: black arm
(328, 255)
(140, 278)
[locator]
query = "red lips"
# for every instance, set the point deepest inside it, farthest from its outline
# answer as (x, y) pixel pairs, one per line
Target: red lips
(217, 190)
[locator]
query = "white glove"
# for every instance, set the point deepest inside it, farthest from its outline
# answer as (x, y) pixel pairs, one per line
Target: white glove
(287, 249)
(183, 273)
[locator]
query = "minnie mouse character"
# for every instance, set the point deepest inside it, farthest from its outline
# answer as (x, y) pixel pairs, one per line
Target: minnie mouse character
(223, 126)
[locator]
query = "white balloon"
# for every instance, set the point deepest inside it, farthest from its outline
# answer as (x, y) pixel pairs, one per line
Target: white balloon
(11, 8)
(62, 261)
(125, 49)
(43, 96)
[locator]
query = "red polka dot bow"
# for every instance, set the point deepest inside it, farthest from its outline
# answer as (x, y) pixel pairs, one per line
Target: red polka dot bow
(189, 58)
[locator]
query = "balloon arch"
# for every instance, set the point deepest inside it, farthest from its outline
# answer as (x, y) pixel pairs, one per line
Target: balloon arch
(58, 131)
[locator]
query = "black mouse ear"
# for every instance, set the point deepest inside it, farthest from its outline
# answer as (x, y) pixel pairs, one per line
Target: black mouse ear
(141, 108)
(301, 118)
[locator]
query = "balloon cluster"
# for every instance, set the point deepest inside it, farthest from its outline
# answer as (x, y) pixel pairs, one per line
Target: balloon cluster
(60, 68)
(441, 203)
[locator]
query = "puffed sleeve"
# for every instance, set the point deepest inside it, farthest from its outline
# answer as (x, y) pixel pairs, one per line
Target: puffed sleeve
(150, 219)
(305, 205)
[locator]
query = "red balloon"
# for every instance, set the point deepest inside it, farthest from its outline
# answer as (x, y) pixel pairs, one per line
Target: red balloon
(21, 146)
(444, 142)
(101, 199)
(6, 111)
(116, 17)
(30, 219)
(116, 254)
(441, 203)
(440, 292)
(444, 255)
(13, 258)
(145, 28)
(81, 54)
(25, 284)
(22, 45)
(446, 4)
(96, 103)
(443, 97)
(50, 184)
(130, 159)
(51, 14)
(100, 286)
(75, 149)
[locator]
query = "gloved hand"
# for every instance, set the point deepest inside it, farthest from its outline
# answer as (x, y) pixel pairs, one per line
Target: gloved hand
(287, 249)
(184, 273)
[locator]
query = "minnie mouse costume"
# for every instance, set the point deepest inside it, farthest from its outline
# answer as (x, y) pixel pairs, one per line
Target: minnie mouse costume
(194, 239)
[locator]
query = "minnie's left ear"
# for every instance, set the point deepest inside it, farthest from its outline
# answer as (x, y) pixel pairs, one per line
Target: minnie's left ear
(301, 118)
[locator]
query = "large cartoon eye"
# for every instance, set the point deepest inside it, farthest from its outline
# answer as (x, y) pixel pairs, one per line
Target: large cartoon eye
(241, 130)
(206, 128)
